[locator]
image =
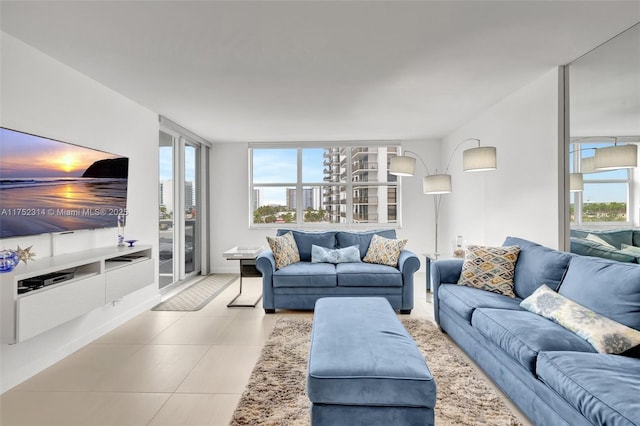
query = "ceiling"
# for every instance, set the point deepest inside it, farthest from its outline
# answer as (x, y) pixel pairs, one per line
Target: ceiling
(326, 70)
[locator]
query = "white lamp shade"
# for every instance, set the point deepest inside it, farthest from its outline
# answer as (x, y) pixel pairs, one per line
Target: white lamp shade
(616, 157)
(402, 166)
(576, 183)
(436, 184)
(588, 165)
(479, 159)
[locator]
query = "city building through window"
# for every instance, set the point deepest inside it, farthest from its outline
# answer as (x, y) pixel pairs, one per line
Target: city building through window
(331, 184)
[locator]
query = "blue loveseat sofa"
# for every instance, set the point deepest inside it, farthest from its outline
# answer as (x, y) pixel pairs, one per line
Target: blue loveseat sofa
(551, 374)
(299, 285)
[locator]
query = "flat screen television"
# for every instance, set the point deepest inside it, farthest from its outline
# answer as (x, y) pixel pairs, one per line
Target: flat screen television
(50, 186)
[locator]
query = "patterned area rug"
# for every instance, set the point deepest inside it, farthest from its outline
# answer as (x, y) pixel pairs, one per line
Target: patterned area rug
(276, 394)
(198, 295)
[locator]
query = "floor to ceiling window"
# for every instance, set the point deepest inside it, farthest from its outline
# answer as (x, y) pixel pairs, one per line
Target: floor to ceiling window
(165, 214)
(181, 211)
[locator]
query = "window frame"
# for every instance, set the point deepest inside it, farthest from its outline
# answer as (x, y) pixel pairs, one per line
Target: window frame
(300, 185)
(576, 149)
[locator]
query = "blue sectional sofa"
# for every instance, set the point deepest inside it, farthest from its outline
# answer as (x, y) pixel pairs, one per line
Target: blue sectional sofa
(554, 376)
(299, 285)
(622, 245)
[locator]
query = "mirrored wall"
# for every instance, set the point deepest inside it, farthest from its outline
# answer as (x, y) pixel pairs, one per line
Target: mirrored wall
(604, 134)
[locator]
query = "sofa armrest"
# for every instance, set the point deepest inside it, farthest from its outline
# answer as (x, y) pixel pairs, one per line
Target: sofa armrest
(266, 263)
(446, 271)
(443, 272)
(408, 262)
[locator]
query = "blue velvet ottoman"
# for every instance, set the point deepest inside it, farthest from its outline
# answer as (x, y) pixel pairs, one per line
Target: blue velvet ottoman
(364, 367)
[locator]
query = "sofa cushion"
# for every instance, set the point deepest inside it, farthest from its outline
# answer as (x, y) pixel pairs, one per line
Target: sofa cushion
(490, 268)
(607, 287)
(384, 251)
(342, 255)
(285, 250)
(537, 265)
(368, 275)
(306, 239)
(362, 239)
(596, 239)
(604, 334)
(523, 334)
(604, 388)
(464, 300)
(584, 247)
(306, 274)
(615, 238)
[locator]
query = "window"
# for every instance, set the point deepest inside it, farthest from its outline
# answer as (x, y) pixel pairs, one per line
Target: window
(345, 184)
(605, 199)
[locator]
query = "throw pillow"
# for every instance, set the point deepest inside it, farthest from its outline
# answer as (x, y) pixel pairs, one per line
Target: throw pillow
(631, 249)
(384, 251)
(594, 238)
(490, 268)
(604, 334)
(321, 254)
(285, 250)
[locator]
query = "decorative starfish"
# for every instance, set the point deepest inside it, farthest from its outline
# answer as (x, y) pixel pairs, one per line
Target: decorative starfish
(25, 254)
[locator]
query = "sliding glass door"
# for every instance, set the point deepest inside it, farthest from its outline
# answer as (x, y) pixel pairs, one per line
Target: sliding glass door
(180, 228)
(166, 214)
(191, 217)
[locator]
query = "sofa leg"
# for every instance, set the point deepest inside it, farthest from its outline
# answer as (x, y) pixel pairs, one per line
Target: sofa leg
(269, 311)
(405, 311)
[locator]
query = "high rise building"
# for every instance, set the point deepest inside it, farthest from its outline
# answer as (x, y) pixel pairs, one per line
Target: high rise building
(362, 166)
(310, 198)
(166, 195)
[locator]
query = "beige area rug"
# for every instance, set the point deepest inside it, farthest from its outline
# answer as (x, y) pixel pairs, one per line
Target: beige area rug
(196, 296)
(276, 393)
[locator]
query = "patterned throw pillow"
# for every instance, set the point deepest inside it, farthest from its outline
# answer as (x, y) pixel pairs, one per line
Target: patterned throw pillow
(384, 251)
(285, 250)
(604, 334)
(490, 268)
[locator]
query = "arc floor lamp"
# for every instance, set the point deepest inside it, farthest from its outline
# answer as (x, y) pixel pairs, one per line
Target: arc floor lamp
(480, 158)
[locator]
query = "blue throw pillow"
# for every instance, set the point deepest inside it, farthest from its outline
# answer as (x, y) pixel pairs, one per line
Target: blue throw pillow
(344, 255)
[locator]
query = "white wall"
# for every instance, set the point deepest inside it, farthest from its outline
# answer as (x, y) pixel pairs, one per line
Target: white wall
(230, 203)
(44, 97)
(521, 198)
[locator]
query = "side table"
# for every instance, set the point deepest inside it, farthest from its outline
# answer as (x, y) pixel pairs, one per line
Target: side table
(247, 257)
(428, 257)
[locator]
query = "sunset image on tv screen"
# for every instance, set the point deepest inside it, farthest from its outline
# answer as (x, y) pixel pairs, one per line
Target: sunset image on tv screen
(52, 186)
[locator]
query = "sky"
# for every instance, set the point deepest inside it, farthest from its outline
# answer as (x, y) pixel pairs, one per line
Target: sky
(166, 163)
(28, 156)
(281, 165)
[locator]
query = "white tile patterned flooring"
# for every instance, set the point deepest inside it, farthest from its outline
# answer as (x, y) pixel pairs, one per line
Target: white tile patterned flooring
(160, 368)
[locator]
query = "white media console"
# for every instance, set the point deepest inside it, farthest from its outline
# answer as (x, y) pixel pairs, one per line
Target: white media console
(100, 276)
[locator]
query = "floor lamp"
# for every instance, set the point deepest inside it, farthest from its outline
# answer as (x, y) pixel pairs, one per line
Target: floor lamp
(480, 158)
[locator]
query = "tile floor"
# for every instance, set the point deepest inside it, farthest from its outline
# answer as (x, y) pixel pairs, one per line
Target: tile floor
(160, 368)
